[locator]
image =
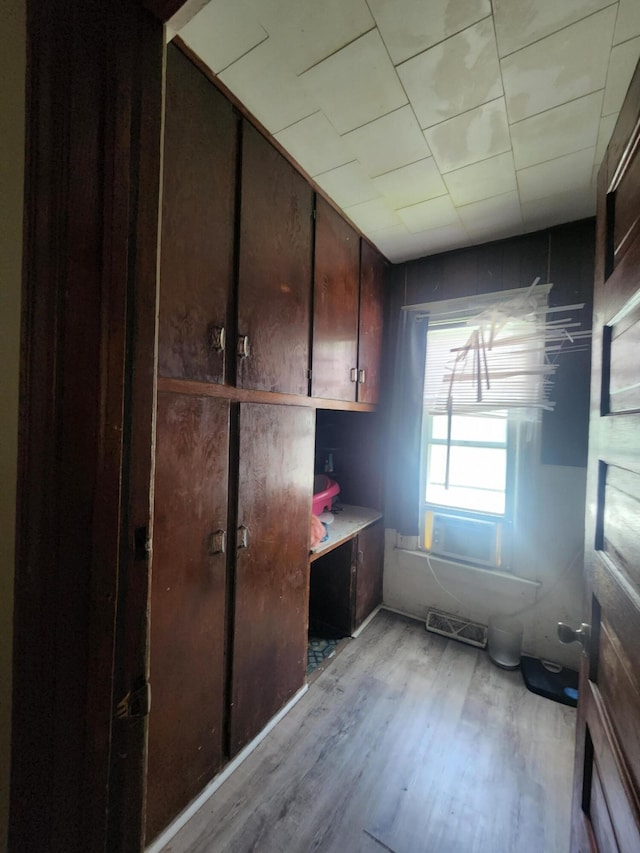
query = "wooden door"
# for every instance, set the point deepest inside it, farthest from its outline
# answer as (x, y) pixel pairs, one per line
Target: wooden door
(370, 323)
(275, 486)
(274, 279)
(332, 592)
(198, 224)
(188, 604)
(370, 558)
(335, 306)
(606, 809)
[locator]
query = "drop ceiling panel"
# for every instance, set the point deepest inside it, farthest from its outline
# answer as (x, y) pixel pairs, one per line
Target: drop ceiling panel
(357, 84)
(564, 174)
(561, 67)
(410, 184)
(308, 31)
(399, 244)
(558, 208)
(347, 185)
(373, 215)
(268, 87)
(472, 136)
(454, 76)
(223, 32)
(410, 26)
(490, 215)
(429, 214)
(607, 123)
(623, 60)
(522, 22)
(628, 21)
(314, 144)
(494, 176)
(561, 130)
(389, 142)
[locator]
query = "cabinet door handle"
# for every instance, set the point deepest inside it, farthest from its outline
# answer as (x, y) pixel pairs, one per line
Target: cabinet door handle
(361, 376)
(217, 542)
(243, 346)
(242, 540)
(354, 374)
(359, 558)
(217, 338)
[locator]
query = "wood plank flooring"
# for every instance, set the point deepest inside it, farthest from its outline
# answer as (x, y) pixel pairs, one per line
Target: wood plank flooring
(409, 743)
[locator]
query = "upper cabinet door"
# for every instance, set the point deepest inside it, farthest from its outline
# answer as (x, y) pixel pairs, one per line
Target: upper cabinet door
(274, 285)
(198, 220)
(371, 313)
(335, 306)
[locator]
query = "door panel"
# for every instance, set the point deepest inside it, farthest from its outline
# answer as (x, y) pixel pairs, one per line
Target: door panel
(335, 306)
(371, 311)
(274, 285)
(198, 222)
(275, 485)
(369, 571)
(606, 803)
(188, 603)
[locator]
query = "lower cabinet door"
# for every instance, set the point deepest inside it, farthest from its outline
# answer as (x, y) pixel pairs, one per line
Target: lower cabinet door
(369, 564)
(188, 604)
(271, 590)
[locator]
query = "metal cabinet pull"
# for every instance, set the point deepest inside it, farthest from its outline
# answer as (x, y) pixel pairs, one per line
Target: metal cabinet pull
(242, 540)
(361, 376)
(217, 542)
(582, 635)
(217, 338)
(243, 346)
(354, 374)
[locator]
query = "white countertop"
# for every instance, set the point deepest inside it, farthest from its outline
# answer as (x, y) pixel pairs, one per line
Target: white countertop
(345, 526)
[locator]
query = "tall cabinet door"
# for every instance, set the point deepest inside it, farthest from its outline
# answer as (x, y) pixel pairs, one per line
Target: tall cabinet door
(275, 486)
(188, 598)
(335, 306)
(371, 312)
(274, 279)
(198, 224)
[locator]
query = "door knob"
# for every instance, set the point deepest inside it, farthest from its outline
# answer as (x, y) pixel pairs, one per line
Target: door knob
(582, 635)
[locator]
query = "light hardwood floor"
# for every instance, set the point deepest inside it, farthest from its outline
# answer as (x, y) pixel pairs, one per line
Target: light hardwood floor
(409, 743)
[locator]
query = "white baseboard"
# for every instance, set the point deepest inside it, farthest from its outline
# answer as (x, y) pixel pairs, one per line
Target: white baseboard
(403, 613)
(371, 616)
(176, 825)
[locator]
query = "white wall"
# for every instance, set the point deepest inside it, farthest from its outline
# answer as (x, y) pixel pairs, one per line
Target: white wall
(550, 534)
(12, 105)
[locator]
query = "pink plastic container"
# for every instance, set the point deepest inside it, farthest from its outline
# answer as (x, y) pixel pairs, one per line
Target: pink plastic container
(324, 491)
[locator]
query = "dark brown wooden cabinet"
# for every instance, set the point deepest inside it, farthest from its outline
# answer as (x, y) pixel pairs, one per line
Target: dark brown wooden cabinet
(198, 225)
(370, 323)
(346, 583)
(335, 306)
(188, 603)
(275, 484)
(274, 278)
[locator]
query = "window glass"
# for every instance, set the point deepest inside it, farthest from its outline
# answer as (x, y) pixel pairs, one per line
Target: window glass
(478, 428)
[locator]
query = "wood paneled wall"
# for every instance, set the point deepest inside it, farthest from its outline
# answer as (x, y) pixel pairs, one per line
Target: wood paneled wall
(563, 255)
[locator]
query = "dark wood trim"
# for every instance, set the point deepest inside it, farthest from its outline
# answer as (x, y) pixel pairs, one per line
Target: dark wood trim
(242, 395)
(217, 82)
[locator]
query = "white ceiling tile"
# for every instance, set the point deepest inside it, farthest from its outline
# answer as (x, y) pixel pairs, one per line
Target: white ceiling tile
(314, 143)
(628, 22)
(622, 63)
(561, 67)
(347, 185)
(410, 26)
(429, 214)
(501, 212)
(494, 176)
(521, 22)
(268, 87)
(564, 174)
(308, 31)
(410, 184)
(388, 142)
(607, 123)
(357, 84)
(222, 32)
(454, 76)
(555, 209)
(472, 136)
(399, 244)
(373, 215)
(561, 130)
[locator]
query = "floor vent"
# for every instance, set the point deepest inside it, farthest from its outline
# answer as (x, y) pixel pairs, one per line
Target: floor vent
(456, 628)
